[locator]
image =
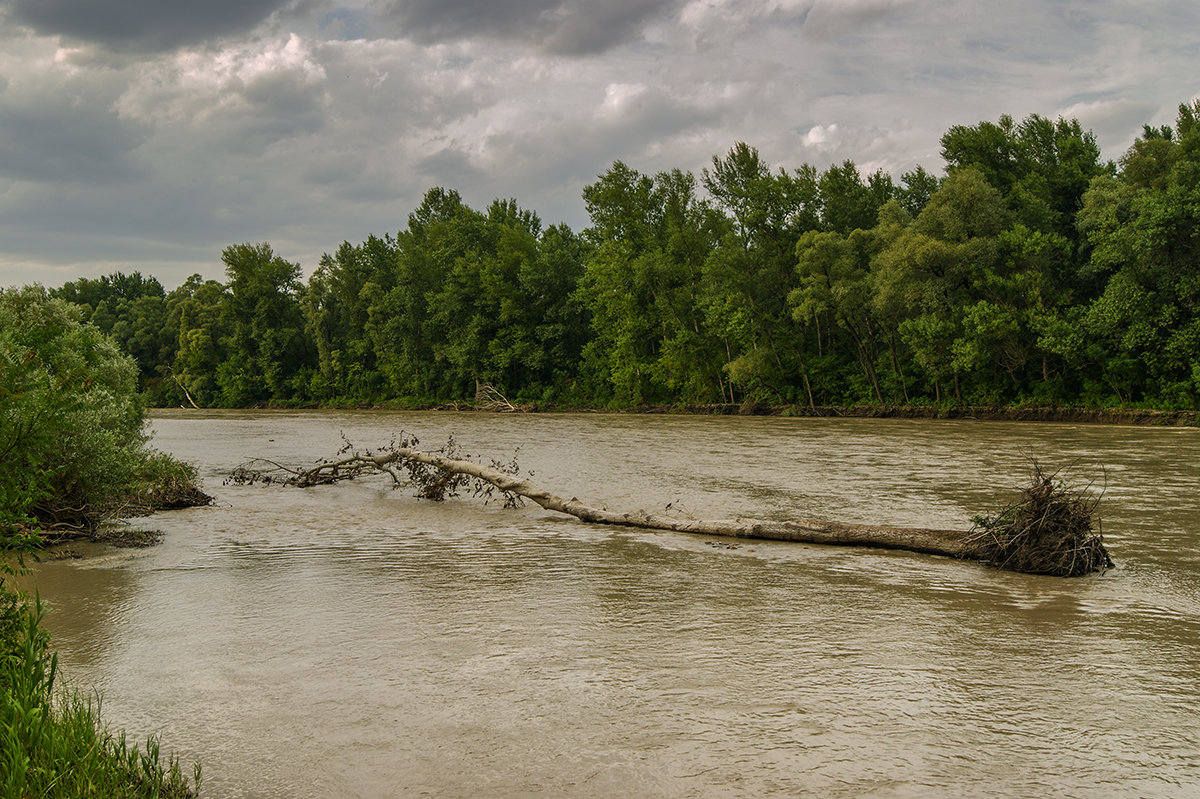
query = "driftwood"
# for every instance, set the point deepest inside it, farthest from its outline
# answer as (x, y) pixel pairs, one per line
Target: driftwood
(439, 474)
(489, 398)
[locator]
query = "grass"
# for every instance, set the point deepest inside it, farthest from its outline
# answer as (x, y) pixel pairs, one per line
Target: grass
(53, 743)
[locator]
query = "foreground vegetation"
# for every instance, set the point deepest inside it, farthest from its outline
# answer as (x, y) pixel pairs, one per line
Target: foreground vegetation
(53, 741)
(74, 455)
(1032, 273)
(72, 435)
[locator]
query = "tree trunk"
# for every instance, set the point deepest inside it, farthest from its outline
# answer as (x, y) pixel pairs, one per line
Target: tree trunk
(391, 461)
(896, 366)
(865, 361)
(183, 388)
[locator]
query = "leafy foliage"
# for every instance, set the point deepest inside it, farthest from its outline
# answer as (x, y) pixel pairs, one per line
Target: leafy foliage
(71, 420)
(71, 434)
(1032, 272)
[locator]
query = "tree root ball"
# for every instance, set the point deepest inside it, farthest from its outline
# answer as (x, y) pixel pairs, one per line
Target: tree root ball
(1048, 531)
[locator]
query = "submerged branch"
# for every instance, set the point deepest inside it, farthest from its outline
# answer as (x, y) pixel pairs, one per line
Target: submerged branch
(447, 472)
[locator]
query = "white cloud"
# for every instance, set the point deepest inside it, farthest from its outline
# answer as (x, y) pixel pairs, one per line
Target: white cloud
(821, 136)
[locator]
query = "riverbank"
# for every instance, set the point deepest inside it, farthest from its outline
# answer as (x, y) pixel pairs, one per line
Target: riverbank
(999, 413)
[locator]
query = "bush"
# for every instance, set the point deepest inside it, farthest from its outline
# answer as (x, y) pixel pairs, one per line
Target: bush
(71, 420)
(73, 452)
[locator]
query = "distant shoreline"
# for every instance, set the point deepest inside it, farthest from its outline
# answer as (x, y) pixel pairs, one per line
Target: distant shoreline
(1072, 414)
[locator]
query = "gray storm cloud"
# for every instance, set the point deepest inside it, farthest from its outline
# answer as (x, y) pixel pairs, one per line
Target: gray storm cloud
(564, 27)
(150, 135)
(145, 25)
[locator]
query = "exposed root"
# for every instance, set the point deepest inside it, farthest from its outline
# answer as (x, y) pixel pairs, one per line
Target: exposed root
(165, 484)
(1049, 531)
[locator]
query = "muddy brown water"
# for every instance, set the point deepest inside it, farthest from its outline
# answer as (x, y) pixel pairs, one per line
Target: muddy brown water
(352, 641)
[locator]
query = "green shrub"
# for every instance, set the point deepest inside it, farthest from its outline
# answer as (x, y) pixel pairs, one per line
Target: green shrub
(71, 420)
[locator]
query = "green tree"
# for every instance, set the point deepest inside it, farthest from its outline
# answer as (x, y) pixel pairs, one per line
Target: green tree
(617, 285)
(398, 309)
(133, 310)
(198, 313)
(480, 316)
(928, 276)
(266, 347)
(643, 287)
(73, 452)
(1041, 167)
(336, 309)
(847, 202)
(1143, 329)
(834, 274)
(689, 355)
(548, 283)
(751, 270)
(916, 187)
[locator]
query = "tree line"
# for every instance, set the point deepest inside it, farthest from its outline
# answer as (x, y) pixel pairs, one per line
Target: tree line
(1031, 271)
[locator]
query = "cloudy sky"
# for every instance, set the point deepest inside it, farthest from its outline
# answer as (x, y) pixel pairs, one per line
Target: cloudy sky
(149, 135)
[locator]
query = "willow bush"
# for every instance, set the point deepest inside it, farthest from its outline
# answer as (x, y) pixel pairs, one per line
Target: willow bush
(72, 435)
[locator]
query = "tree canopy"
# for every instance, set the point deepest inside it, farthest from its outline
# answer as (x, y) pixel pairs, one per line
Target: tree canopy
(1033, 271)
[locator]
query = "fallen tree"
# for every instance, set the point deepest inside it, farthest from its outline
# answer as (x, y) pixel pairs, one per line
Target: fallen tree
(1048, 532)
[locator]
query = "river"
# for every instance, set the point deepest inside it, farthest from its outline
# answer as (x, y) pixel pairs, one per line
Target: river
(352, 641)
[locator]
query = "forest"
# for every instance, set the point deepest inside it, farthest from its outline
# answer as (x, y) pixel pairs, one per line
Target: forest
(1030, 272)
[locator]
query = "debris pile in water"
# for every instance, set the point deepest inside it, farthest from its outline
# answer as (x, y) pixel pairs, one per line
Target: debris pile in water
(1049, 531)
